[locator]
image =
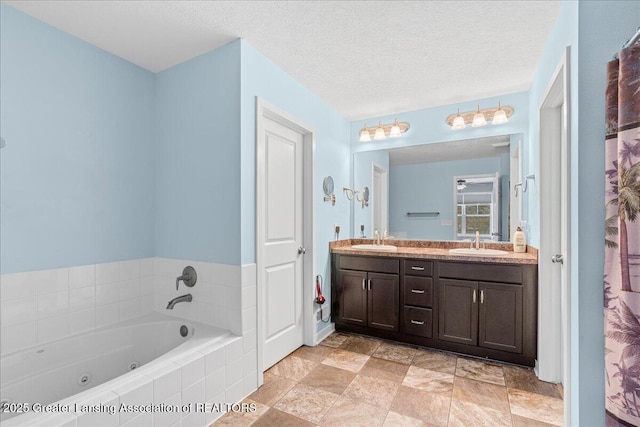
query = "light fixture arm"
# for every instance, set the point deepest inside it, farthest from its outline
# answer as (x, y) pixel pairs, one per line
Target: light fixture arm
(524, 185)
(350, 193)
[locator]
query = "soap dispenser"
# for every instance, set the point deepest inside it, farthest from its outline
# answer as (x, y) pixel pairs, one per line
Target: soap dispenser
(519, 241)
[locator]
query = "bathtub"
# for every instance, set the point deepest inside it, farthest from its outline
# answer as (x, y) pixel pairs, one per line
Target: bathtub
(51, 384)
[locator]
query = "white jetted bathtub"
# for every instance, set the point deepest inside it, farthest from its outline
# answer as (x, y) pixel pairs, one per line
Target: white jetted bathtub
(84, 379)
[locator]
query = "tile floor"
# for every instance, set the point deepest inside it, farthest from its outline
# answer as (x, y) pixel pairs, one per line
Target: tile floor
(352, 380)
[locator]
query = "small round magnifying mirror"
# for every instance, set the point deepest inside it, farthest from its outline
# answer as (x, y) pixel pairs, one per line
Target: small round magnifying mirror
(327, 186)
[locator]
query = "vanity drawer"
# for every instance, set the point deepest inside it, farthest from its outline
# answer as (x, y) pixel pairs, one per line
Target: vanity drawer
(380, 265)
(481, 272)
(418, 321)
(418, 291)
(418, 267)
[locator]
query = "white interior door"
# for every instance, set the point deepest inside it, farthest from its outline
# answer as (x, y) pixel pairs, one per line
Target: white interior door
(281, 267)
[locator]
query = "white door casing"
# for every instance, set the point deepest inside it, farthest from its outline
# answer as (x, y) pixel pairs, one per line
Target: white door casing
(495, 206)
(380, 198)
(554, 348)
(515, 207)
(284, 234)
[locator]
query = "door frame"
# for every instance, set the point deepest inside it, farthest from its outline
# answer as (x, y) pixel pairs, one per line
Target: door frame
(384, 192)
(265, 110)
(554, 352)
(515, 176)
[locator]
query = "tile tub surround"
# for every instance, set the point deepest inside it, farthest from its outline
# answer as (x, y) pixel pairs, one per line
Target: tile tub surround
(46, 305)
(383, 383)
(224, 296)
(434, 249)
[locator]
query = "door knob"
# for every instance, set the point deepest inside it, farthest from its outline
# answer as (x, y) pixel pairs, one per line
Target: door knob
(557, 259)
(301, 250)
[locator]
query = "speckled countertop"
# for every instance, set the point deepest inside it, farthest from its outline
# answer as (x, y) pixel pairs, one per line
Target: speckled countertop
(432, 249)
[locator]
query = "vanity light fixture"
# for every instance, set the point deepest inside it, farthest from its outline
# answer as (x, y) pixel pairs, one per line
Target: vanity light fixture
(478, 119)
(497, 115)
(380, 132)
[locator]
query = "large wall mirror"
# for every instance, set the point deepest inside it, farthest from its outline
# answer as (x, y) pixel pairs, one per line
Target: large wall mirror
(441, 191)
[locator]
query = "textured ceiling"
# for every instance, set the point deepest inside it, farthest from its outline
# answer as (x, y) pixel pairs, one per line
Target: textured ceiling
(364, 58)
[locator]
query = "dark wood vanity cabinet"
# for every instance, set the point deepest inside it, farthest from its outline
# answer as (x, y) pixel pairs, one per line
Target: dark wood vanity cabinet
(484, 314)
(367, 293)
(478, 308)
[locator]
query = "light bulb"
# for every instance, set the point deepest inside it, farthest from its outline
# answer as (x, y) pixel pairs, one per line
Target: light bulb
(458, 122)
(379, 135)
(478, 119)
(395, 130)
(499, 117)
(364, 134)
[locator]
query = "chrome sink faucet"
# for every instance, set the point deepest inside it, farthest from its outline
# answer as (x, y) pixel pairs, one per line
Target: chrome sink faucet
(377, 236)
(477, 240)
(385, 236)
(181, 298)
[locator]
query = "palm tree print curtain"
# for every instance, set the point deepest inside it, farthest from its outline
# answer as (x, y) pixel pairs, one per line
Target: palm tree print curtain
(622, 243)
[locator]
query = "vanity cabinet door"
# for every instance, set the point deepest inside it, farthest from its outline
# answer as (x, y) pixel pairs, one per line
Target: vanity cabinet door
(384, 301)
(501, 316)
(353, 297)
(458, 319)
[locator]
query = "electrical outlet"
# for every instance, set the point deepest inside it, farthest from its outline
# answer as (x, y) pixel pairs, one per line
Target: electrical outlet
(446, 222)
(318, 315)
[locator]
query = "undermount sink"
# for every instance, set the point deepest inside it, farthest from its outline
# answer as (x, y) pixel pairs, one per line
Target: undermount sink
(477, 252)
(371, 247)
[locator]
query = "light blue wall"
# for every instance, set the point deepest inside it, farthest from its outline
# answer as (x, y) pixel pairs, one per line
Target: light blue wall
(198, 166)
(428, 187)
(76, 183)
(261, 78)
(595, 30)
(363, 176)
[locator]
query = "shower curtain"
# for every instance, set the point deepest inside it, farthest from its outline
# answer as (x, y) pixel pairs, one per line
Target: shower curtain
(622, 238)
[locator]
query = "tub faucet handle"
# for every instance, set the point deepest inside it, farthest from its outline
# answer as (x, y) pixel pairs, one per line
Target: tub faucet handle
(189, 277)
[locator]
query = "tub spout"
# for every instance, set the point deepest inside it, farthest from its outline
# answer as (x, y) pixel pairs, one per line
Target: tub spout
(181, 298)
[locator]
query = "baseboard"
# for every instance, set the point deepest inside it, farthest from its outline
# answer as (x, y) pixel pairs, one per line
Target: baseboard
(320, 336)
